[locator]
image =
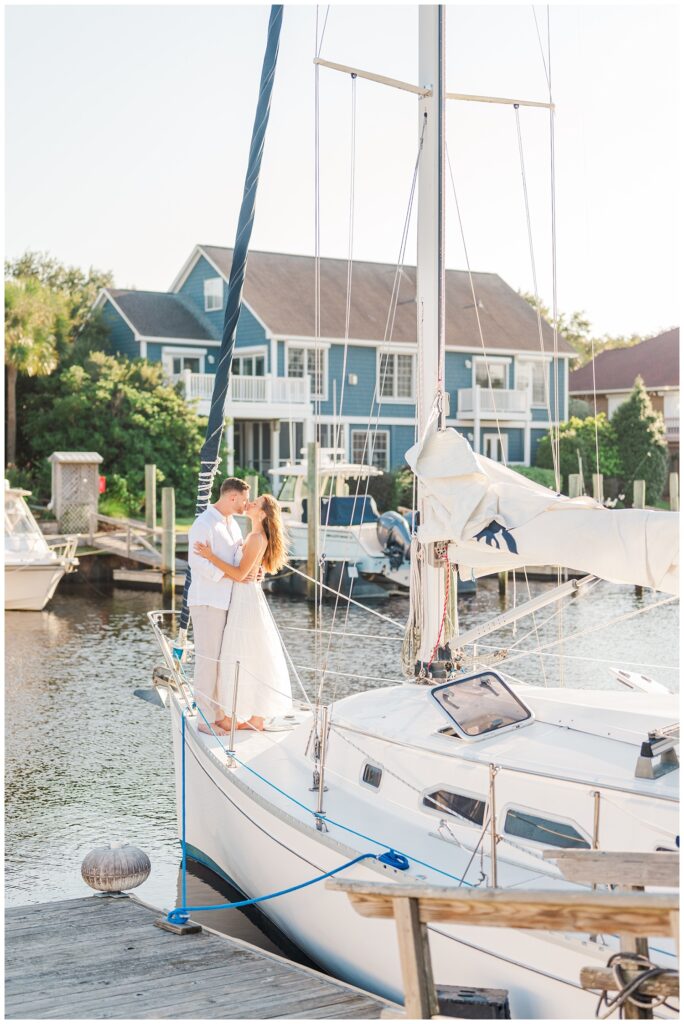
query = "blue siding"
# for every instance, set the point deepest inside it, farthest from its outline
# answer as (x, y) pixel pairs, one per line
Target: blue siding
(121, 336)
(249, 330)
(401, 439)
(516, 445)
(541, 414)
(280, 371)
(535, 437)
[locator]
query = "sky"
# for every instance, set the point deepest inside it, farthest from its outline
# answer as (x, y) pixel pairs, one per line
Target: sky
(128, 127)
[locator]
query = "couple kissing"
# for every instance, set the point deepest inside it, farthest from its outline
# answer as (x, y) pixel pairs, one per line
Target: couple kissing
(231, 620)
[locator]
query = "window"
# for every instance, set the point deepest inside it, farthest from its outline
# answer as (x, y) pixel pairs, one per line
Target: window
(495, 447)
(370, 448)
(330, 435)
(480, 704)
(287, 491)
(371, 775)
(467, 807)
(531, 375)
(493, 369)
(181, 363)
(544, 830)
(213, 294)
(249, 366)
(396, 376)
(311, 361)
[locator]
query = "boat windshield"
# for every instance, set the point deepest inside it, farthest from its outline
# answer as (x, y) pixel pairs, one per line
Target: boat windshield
(287, 491)
(22, 533)
(480, 704)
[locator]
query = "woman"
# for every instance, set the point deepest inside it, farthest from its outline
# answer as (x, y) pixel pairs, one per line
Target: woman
(251, 636)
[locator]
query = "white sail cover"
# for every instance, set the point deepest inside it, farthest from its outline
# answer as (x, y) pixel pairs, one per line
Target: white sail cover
(496, 519)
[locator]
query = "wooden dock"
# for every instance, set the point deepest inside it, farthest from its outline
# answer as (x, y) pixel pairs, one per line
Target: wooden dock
(99, 957)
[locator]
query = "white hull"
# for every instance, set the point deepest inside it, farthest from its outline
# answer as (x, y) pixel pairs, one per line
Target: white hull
(29, 585)
(263, 849)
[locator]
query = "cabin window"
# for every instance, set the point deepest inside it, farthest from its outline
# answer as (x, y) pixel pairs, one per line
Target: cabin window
(396, 376)
(370, 448)
(371, 775)
(287, 491)
(312, 361)
(531, 376)
(448, 802)
(213, 294)
(545, 831)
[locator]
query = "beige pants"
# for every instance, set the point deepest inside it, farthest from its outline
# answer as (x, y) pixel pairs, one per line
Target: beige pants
(208, 626)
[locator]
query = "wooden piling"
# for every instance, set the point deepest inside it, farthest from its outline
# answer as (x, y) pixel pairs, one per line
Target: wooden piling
(674, 492)
(639, 499)
(168, 550)
(313, 516)
(575, 485)
(503, 584)
(597, 486)
(253, 481)
(151, 496)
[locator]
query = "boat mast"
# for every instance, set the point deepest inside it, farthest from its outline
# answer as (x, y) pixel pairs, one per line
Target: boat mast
(430, 301)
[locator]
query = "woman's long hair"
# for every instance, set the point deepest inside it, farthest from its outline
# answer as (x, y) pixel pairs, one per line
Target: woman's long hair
(275, 556)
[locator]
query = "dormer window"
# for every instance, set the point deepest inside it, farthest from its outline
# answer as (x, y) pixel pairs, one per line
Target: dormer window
(213, 294)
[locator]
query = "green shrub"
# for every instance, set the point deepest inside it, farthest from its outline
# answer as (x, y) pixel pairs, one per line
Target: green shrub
(545, 477)
(578, 408)
(118, 500)
(578, 437)
(641, 443)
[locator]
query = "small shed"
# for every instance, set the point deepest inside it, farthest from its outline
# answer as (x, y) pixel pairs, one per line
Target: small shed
(75, 489)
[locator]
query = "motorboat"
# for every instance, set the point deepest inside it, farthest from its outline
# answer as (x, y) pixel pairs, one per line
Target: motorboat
(33, 568)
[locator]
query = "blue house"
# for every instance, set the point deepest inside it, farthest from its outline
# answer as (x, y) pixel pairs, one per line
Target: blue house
(288, 386)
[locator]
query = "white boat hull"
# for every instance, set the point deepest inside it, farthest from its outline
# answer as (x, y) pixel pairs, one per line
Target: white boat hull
(262, 850)
(29, 586)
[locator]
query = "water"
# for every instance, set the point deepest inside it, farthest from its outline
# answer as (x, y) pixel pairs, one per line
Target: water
(87, 763)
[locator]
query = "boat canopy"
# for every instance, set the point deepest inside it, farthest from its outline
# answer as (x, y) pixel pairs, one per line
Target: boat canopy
(495, 519)
(331, 462)
(23, 538)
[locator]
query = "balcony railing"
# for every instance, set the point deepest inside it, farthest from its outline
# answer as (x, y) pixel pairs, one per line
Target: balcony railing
(261, 390)
(491, 402)
(672, 428)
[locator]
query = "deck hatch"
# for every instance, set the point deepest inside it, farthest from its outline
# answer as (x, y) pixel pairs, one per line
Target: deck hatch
(480, 705)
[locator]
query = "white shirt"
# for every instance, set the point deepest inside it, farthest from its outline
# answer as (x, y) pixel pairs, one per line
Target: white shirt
(208, 584)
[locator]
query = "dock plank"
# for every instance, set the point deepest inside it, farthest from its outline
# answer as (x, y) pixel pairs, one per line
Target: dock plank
(103, 958)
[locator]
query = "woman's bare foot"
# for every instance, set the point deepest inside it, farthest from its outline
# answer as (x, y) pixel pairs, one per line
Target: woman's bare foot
(224, 723)
(215, 729)
(255, 722)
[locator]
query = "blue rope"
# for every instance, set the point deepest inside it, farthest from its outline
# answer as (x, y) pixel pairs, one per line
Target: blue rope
(184, 895)
(180, 914)
(330, 821)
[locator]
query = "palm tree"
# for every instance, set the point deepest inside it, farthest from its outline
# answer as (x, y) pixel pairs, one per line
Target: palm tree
(31, 312)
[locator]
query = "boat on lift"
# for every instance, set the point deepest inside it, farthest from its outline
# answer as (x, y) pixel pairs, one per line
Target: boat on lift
(33, 568)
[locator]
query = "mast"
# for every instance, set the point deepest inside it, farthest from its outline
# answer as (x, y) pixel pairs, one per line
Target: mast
(430, 302)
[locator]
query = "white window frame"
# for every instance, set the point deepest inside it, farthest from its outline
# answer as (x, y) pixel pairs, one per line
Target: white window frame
(504, 444)
(394, 400)
(252, 352)
(537, 359)
(537, 812)
(169, 353)
(372, 436)
(453, 817)
(310, 346)
(214, 295)
(492, 361)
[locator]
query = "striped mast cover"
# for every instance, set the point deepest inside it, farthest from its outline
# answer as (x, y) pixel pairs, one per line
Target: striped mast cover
(209, 456)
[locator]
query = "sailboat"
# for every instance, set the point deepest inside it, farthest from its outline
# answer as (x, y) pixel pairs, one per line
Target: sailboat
(462, 775)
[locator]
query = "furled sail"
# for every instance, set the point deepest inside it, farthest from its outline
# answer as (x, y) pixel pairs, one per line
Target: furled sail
(495, 519)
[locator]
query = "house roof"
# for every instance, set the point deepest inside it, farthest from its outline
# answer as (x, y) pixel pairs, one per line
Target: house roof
(279, 288)
(161, 315)
(656, 360)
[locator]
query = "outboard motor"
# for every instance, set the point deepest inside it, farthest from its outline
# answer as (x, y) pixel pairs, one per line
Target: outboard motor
(395, 538)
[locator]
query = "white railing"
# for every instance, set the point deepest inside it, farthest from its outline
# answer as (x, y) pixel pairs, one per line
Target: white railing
(492, 401)
(262, 390)
(672, 428)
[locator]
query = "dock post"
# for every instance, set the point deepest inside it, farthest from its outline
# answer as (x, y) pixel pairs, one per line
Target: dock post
(575, 485)
(597, 486)
(674, 492)
(168, 549)
(313, 517)
(503, 584)
(150, 496)
(639, 501)
(252, 482)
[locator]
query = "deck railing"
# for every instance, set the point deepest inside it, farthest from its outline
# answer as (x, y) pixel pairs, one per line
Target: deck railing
(263, 390)
(672, 428)
(491, 401)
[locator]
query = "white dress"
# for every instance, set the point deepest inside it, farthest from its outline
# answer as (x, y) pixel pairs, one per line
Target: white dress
(251, 638)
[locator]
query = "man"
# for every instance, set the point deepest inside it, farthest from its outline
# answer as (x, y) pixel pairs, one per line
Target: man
(210, 592)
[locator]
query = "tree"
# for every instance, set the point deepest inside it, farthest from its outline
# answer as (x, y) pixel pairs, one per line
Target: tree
(31, 315)
(124, 410)
(641, 443)
(578, 437)
(576, 329)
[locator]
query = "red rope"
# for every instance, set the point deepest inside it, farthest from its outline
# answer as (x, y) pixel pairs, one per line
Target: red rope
(444, 610)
